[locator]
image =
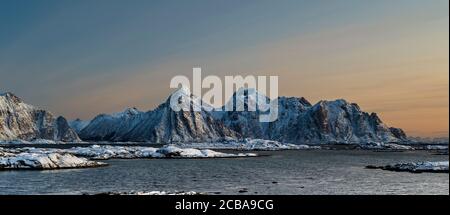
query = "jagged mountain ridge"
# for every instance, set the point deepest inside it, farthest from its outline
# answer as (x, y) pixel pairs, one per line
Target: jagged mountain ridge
(104, 126)
(162, 125)
(335, 122)
(298, 122)
(21, 121)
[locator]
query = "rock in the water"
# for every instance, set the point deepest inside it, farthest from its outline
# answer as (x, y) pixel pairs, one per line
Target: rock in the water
(419, 167)
(386, 146)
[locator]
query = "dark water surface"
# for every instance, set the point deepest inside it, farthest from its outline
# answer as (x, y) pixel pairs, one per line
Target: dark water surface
(281, 172)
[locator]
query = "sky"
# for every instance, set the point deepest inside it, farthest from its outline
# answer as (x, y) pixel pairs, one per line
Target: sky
(82, 58)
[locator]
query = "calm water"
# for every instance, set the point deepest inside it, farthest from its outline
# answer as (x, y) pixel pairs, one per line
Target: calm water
(282, 172)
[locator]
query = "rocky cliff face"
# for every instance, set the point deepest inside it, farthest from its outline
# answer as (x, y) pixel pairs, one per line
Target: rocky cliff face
(78, 124)
(336, 122)
(162, 125)
(21, 121)
(298, 122)
(107, 127)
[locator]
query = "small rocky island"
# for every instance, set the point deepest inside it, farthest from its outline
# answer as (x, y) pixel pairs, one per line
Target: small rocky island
(419, 167)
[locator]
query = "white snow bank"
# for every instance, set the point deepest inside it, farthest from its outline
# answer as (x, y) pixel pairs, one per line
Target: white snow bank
(107, 152)
(387, 146)
(153, 193)
(121, 152)
(437, 147)
(248, 145)
(130, 152)
(421, 166)
(27, 160)
(6, 142)
(36, 141)
(173, 151)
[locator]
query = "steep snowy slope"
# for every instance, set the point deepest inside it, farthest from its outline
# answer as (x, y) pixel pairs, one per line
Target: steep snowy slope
(21, 121)
(245, 122)
(336, 121)
(300, 122)
(106, 127)
(162, 125)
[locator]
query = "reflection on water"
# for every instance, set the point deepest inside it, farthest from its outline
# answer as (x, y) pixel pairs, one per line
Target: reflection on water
(284, 172)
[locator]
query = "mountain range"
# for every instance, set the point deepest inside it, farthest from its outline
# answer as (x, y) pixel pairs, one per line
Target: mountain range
(298, 122)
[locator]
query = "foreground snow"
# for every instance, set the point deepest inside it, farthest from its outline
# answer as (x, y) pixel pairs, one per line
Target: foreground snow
(385, 146)
(26, 160)
(440, 166)
(436, 147)
(130, 152)
(36, 141)
(248, 145)
(44, 158)
(153, 193)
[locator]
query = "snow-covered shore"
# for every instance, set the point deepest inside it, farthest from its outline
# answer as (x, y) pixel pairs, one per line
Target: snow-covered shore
(29, 160)
(133, 152)
(36, 141)
(436, 147)
(385, 146)
(152, 193)
(247, 145)
(78, 157)
(419, 167)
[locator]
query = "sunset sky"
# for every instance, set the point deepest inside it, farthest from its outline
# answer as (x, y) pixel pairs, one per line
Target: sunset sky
(82, 58)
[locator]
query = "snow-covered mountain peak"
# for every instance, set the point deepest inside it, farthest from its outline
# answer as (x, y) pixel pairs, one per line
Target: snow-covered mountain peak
(19, 120)
(244, 98)
(10, 97)
(244, 90)
(294, 103)
(10, 102)
(183, 99)
(183, 90)
(4, 93)
(337, 102)
(127, 112)
(249, 93)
